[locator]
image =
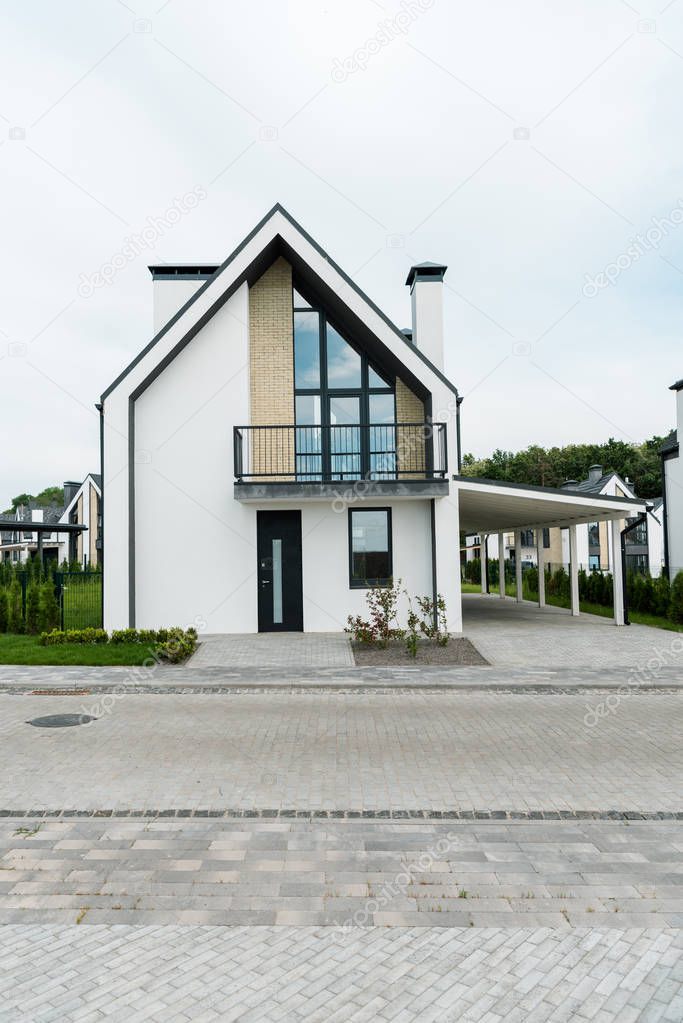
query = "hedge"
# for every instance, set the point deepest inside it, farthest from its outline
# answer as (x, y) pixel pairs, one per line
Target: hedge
(172, 645)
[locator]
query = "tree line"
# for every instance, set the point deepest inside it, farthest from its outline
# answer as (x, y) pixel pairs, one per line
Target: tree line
(550, 467)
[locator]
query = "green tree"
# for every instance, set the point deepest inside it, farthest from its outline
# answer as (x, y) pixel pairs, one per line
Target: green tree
(48, 608)
(32, 607)
(15, 618)
(551, 467)
(676, 605)
(661, 595)
(3, 609)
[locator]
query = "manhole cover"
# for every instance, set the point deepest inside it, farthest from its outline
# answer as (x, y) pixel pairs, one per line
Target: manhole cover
(61, 720)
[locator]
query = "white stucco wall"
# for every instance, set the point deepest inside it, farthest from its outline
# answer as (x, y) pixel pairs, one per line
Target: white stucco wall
(169, 295)
(674, 496)
(674, 510)
(195, 545)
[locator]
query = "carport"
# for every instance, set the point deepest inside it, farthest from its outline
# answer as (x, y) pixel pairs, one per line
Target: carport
(494, 507)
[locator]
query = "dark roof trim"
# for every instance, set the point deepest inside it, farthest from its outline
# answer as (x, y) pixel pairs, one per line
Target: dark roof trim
(678, 386)
(549, 491)
(252, 234)
(182, 272)
(22, 526)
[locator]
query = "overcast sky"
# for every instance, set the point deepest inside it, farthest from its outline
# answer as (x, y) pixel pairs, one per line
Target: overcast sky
(524, 145)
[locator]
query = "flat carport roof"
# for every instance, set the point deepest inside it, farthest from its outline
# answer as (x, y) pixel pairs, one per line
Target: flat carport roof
(493, 506)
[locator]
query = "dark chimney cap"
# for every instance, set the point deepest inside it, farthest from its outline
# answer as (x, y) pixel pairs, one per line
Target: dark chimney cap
(678, 386)
(426, 272)
(568, 484)
(163, 271)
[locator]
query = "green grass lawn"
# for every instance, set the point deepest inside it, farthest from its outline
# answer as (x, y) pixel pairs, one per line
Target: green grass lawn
(637, 617)
(28, 650)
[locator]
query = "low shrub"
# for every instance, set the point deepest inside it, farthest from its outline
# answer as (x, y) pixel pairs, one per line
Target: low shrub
(171, 645)
(58, 636)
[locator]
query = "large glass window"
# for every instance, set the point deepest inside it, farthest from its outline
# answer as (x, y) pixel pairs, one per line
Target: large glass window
(343, 362)
(306, 350)
(337, 388)
(370, 556)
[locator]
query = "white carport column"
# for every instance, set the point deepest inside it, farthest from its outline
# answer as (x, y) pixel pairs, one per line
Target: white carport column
(483, 559)
(501, 564)
(518, 566)
(617, 574)
(574, 570)
(540, 558)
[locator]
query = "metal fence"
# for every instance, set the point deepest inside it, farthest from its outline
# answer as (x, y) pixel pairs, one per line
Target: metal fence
(311, 454)
(79, 595)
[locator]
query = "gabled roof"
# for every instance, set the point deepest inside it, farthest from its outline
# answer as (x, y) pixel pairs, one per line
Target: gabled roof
(670, 445)
(279, 234)
(597, 486)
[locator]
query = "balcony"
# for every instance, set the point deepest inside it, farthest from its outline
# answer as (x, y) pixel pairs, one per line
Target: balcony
(319, 462)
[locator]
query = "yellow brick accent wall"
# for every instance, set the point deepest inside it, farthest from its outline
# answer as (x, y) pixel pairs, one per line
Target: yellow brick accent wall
(271, 368)
(409, 442)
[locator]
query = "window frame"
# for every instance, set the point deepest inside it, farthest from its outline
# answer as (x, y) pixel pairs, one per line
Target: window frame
(371, 584)
(326, 393)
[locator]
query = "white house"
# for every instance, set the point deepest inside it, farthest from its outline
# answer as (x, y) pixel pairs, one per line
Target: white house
(672, 491)
(81, 506)
(281, 420)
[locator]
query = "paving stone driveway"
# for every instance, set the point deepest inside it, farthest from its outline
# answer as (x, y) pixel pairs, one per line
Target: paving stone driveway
(525, 636)
(284, 650)
(342, 873)
(256, 975)
(441, 751)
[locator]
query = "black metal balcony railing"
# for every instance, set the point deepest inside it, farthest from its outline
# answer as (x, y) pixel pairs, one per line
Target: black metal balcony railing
(313, 454)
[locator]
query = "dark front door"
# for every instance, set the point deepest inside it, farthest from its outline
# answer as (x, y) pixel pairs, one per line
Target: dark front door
(280, 596)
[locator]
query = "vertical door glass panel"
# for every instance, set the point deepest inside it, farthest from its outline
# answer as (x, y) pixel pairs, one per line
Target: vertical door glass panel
(308, 438)
(277, 582)
(307, 350)
(345, 453)
(343, 362)
(382, 436)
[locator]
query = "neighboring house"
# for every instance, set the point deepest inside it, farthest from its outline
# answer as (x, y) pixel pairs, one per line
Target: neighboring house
(20, 544)
(528, 544)
(284, 430)
(596, 549)
(672, 491)
(82, 505)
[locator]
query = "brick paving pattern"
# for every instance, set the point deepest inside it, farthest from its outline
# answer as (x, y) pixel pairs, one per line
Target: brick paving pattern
(286, 650)
(257, 975)
(441, 751)
(616, 874)
(523, 635)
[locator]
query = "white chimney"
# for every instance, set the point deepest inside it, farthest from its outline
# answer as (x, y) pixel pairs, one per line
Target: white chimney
(174, 285)
(678, 388)
(426, 292)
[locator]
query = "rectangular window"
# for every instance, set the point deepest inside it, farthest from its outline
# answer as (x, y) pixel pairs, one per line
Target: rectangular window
(370, 555)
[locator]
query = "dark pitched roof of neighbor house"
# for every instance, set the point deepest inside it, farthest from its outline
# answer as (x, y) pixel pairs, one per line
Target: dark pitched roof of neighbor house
(670, 445)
